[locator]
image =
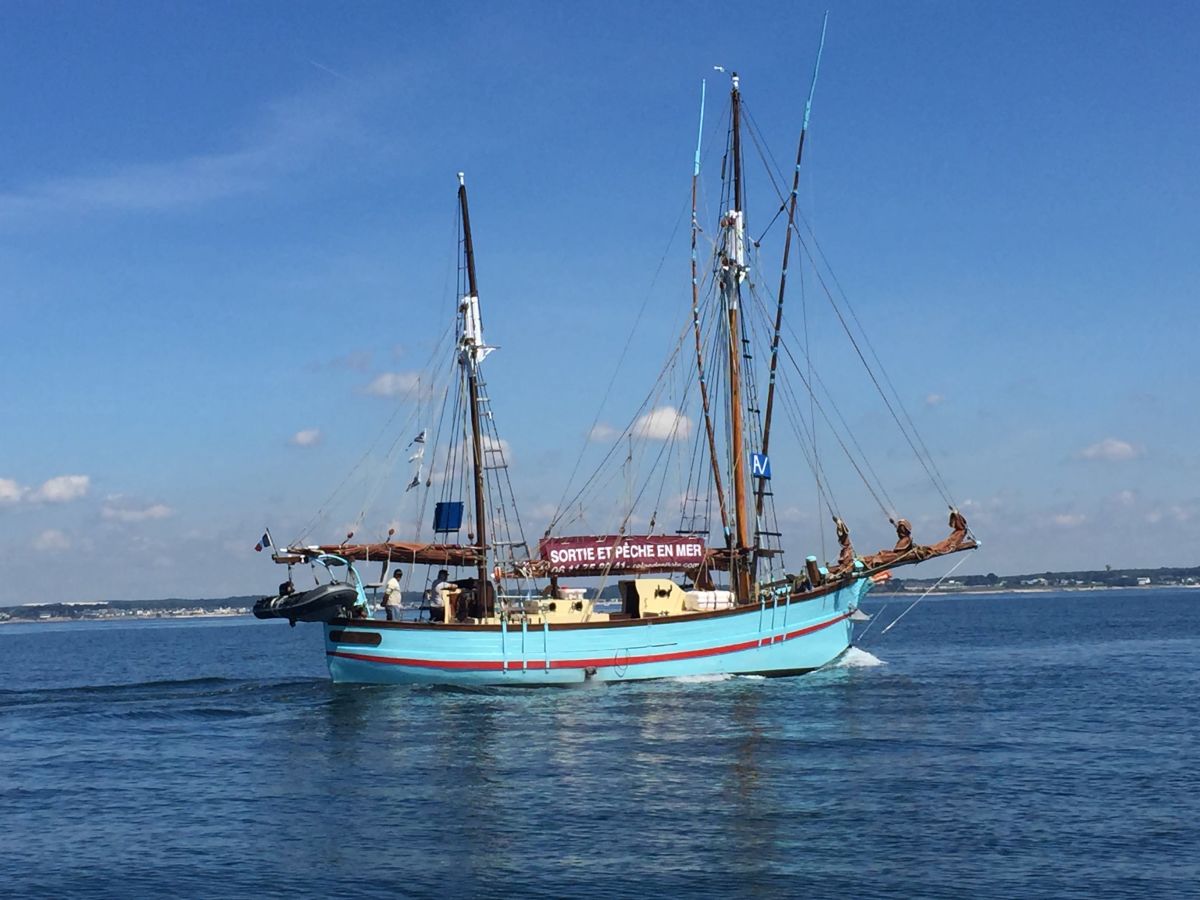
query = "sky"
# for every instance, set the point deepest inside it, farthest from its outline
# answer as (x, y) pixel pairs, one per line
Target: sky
(227, 243)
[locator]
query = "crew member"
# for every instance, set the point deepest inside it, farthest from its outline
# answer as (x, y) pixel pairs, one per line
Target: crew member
(443, 589)
(391, 597)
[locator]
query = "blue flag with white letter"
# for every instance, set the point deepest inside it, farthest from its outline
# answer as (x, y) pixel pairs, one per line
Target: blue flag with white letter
(760, 465)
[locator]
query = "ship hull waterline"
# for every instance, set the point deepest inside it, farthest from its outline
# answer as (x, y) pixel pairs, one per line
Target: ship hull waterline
(770, 639)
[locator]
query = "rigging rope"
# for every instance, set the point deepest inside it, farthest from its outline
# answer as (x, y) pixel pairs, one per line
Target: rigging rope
(371, 447)
(931, 589)
(838, 437)
(812, 410)
(875, 355)
(921, 458)
(655, 391)
(621, 359)
(924, 457)
(832, 402)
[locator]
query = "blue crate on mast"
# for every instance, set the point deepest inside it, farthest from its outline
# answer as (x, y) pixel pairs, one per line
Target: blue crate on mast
(447, 517)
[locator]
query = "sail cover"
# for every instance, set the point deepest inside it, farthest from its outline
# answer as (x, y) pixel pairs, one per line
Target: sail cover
(393, 551)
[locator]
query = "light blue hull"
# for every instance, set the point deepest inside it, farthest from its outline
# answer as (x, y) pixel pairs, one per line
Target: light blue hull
(783, 639)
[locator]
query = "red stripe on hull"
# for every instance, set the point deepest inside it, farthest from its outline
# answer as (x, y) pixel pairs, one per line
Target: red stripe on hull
(499, 665)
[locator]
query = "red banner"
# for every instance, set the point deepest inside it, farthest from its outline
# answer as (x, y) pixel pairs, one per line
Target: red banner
(615, 553)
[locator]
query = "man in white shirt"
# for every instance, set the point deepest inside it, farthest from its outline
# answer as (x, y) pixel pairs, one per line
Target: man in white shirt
(443, 593)
(391, 596)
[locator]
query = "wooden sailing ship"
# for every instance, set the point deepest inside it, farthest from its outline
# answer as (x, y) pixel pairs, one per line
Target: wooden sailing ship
(711, 598)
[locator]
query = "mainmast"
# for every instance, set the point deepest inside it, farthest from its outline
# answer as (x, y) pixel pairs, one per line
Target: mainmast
(471, 351)
(733, 274)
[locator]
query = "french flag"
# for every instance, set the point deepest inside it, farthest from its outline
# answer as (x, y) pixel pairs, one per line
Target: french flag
(264, 541)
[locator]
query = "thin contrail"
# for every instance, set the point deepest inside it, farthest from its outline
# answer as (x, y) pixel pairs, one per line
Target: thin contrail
(324, 68)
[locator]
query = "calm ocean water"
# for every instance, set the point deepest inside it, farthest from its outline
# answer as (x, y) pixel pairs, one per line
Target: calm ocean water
(989, 746)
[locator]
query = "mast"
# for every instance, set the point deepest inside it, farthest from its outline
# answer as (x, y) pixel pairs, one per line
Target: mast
(735, 272)
(708, 425)
(470, 354)
(787, 249)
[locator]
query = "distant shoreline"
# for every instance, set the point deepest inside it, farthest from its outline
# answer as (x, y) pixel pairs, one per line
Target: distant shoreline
(1039, 589)
(151, 614)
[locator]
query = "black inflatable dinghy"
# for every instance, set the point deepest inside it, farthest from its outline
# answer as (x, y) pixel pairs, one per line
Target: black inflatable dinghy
(321, 604)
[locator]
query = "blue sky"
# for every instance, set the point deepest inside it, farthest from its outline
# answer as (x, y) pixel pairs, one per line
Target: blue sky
(220, 224)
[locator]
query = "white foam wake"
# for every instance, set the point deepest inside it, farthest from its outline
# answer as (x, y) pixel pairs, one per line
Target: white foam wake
(857, 658)
(716, 676)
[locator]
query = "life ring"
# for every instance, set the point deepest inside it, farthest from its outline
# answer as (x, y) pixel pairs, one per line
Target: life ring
(497, 573)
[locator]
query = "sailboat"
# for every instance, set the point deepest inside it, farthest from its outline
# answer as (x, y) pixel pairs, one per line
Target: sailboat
(712, 598)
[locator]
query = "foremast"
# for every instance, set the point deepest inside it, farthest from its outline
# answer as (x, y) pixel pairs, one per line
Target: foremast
(761, 489)
(470, 353)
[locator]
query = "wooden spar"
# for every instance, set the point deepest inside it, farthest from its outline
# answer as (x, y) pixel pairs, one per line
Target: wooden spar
(470, 361)
(736, 96)
(741, 540)
(787, 247)
(468, 245)
(708, 425)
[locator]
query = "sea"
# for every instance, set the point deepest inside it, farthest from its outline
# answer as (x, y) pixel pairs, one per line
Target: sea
(987, 745)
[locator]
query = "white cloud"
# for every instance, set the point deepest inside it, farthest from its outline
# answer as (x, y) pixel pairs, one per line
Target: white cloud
(792, 515)
(288, 140)
(1125, 498)
(490, 443)
(394, 384)
(354, 361)
(1183, 513)
(51, 540)
(991, 512)
(542, 512)
(1180, 513)
(117, 510)
(602, 432)
(662, 423)
(1110, 450)
(306, 437)
(61, 489)
(1068, 520)
(934, 399)
(10, 492)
